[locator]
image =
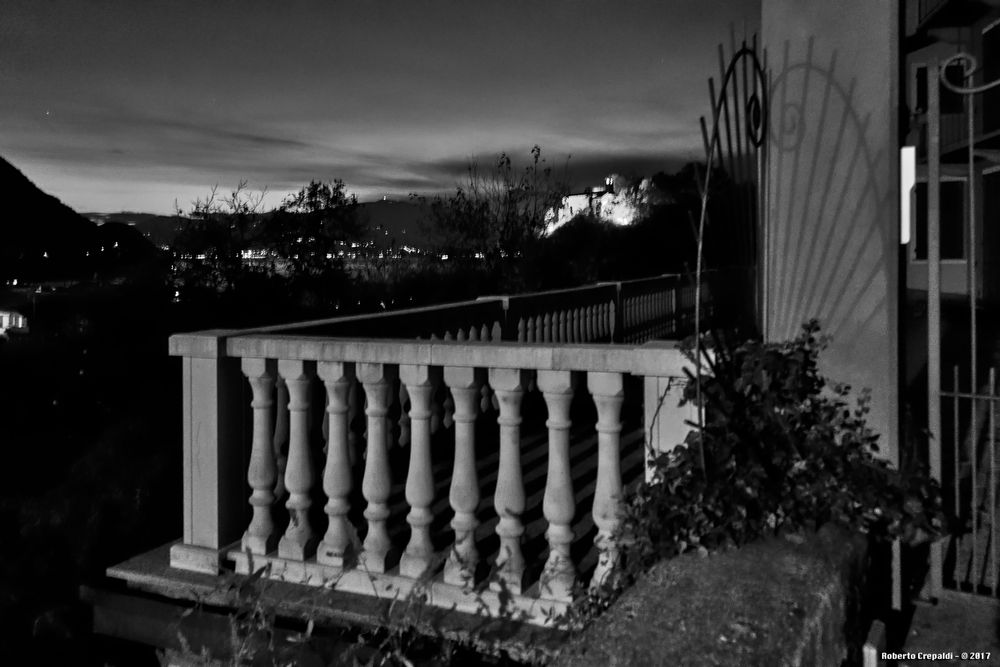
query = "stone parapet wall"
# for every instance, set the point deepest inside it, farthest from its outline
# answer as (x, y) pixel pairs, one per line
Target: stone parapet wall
(775, 602)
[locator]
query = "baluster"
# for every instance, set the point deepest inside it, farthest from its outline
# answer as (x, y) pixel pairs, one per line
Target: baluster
(613, 325)
(325, 428)
(393, 411)
(448, 409)
(657, 313)
(437, 410)
(508, 499)
(463, 496)
(664, 313)
(298, 541)
(335, 548)
(486, 400)
(547, 328)
(280, 444)
(607, 390)
(558, 504)
(561, 332)
(675, 307)
(419, 479)
(461, 336)
(260, 537)
(378, 380)
(591, 323)
(484, 333)
(404, 416)
(354, 401)
(578, 325)
(531, 330)
(522, 331)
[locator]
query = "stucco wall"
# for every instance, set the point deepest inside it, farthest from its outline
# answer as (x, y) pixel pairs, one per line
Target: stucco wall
(831, 244)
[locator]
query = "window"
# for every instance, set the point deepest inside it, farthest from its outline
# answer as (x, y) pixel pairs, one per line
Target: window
(952, 221)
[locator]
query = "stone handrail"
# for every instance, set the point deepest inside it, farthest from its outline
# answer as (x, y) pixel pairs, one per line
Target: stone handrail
(417, 386)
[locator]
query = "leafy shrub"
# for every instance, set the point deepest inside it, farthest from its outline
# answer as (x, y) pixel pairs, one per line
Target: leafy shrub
(781, 450)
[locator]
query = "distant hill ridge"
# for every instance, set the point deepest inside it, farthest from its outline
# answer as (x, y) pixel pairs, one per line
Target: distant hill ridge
(44, 239)
(385, 222)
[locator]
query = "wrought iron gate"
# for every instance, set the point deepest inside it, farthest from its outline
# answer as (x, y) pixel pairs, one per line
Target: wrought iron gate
(731, 188)
(963, 347)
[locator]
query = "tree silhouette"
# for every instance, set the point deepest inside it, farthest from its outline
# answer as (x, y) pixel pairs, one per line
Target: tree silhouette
(498, 212)
(309, 229)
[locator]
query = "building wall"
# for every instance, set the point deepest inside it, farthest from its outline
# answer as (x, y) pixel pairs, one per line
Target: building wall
(831, 243)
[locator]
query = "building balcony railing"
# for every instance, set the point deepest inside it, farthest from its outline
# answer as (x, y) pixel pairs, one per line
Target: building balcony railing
(927, 8)
(479, 450)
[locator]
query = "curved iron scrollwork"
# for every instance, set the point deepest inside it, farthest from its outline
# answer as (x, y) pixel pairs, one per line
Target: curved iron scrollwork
(753, 123)
(969, 67)
(755, 107)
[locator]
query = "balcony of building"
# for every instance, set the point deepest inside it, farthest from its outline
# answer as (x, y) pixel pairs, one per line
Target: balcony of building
(476, 452)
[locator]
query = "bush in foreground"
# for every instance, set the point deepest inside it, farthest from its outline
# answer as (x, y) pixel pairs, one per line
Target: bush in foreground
(781, 451)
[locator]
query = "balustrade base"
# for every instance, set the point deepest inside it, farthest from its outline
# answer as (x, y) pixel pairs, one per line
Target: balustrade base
(528, 606)
(415, 566)
(150, 573)
(196, 559)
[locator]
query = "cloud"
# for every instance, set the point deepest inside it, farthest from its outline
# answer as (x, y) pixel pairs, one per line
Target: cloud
(173, 97)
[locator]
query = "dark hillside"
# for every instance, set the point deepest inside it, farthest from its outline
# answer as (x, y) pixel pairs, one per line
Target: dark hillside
(43, 239)
(396, 223)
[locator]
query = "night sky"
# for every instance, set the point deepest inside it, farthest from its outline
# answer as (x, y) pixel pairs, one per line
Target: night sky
(130, 105)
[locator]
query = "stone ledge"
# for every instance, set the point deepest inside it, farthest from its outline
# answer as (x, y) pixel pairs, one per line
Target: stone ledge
(770, 603)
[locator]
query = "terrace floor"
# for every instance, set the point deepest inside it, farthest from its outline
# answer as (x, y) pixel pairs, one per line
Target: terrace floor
(958, 622)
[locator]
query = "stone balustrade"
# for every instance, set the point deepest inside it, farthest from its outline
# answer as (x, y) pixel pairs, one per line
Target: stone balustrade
(578, 315)
(613, 312)
(480, 453)
(658, 307)
(316, 529)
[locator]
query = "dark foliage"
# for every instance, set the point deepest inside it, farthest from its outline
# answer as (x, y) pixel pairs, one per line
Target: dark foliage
(307, 230)
(586, 250)
(497, 213)
(783, 452)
